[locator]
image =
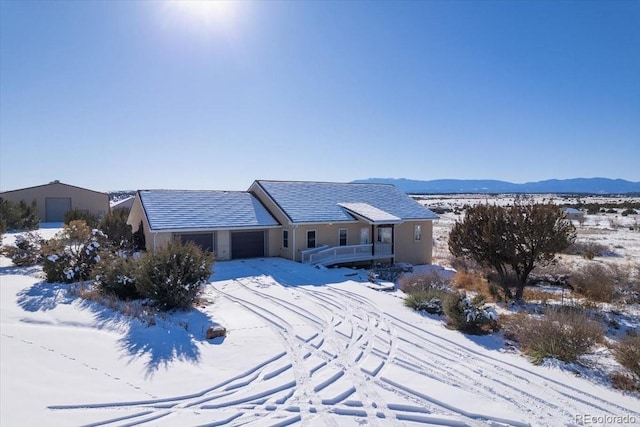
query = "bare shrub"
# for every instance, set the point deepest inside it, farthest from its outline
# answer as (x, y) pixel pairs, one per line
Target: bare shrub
(594, 281)
(587, 250)
(627, 353)
(535, 294)
(425, 292)
(476, 282)
(564, 333)
(624, 382)
(422, 282)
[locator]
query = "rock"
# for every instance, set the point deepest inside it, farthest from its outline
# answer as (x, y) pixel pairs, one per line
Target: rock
(215, 332)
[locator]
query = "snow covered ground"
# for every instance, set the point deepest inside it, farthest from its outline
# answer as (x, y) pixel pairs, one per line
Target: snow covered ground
(305, 346)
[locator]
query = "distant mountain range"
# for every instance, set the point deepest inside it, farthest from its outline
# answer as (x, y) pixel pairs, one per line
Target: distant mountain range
(570, 186)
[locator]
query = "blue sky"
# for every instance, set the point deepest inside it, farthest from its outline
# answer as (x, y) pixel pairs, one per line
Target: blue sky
(154, 94)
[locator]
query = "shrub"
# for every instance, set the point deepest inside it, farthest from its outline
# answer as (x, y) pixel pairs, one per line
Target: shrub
(115, 275)
(172, 276)
(429, 300)
(469, 315)
(628, 211)
(625, 382)
(594, 281)
(139, 241)
(512, 240)
(627, 353)
(476, 281)
(114, 226)
(72, 253)
(27, 250)
(565, 333)
(422, 282)
(79, 215)
(19, 216)
(587, 250)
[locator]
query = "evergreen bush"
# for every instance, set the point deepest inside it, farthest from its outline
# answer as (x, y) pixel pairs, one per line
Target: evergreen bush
(80, 215)
(115, 275)
(70, 255)
(27, 250)
(173, 275)
(469, 315)
(114, 226)
(19, 216)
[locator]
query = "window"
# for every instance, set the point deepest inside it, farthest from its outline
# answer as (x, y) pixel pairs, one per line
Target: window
(342, 236)
(311, 239)
(384, 234)
(285, 238)
(417, 233)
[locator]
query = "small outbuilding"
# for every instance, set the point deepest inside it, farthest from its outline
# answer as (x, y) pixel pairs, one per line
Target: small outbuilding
(56, 198)
(574, 214)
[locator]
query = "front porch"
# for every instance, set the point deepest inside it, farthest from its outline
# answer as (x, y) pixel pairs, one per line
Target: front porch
(326, 255)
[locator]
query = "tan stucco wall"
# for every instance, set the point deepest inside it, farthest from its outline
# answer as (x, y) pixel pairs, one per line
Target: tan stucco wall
(407, 249)
(136, 214)
(273, 241)
(87, 200)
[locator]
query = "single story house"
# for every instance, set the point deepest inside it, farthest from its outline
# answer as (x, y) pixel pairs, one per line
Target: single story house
(574, 214)
(315, 222)
(56, 198)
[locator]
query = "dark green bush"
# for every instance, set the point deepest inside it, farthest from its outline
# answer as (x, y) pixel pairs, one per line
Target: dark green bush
(139, 241)
(173, 275)
(19, 216)
(472, 316)
(27, 250)
(70, 256)
(114, 226)
(115, 275)
(80, 215)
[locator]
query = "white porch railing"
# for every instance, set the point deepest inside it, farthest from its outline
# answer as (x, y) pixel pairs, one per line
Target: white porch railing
(306, 254)
(339, 254)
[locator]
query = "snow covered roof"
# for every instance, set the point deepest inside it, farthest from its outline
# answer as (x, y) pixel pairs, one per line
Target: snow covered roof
(325, 201)
(123, 204)
(573, 211)
(203, 210)
(370, 213)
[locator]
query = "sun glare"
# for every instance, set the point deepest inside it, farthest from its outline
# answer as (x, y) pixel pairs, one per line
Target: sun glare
(210, 15)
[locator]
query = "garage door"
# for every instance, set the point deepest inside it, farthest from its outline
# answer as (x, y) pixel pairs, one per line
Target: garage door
(247, 244)
(55, 208)
(204, 240)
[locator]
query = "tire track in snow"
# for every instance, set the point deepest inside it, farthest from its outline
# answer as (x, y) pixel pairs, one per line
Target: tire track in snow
(505, 376)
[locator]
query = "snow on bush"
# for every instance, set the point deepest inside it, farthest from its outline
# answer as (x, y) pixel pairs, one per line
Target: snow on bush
(470, 315)
(71, 254)
(26, 250)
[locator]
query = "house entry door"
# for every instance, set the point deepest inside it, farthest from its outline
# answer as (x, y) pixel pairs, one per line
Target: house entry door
(364, 236)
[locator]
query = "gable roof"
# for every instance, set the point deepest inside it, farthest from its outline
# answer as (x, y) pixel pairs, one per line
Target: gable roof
(177, 210)
(331, 202)
(370, 213)
(56, 182)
